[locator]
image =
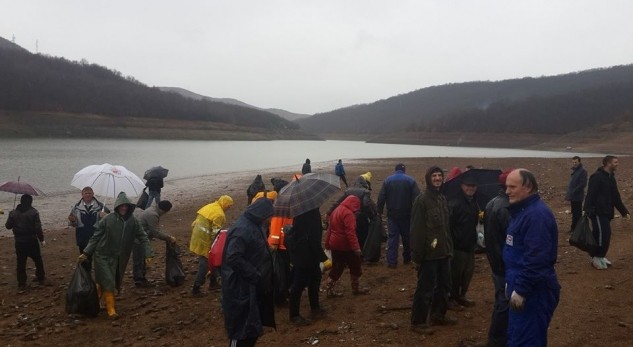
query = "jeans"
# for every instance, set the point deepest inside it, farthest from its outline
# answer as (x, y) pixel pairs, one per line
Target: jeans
(29, 249)
(151, 196)
(499, 321)
(398, 228)
(431, 293)
(203, 268)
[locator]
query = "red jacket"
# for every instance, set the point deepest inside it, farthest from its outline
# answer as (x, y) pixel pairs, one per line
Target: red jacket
(341, 233)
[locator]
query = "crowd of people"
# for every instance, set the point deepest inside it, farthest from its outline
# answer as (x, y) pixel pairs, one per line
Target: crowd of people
(271, 259)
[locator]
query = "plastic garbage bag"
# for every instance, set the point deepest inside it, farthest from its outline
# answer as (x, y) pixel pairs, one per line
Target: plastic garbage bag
(371, 249)
(174, 274)
(582, 236)
(81, 295)
(281, 273)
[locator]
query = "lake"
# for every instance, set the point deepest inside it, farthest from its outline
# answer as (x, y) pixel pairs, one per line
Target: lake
(50, 164)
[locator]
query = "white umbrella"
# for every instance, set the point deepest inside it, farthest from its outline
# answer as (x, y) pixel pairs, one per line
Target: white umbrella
(108, 180)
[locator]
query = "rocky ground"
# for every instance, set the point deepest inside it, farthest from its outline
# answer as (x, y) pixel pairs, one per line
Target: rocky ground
(594, 308)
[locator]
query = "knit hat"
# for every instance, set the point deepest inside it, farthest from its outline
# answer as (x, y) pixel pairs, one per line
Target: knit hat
(165, 205)
(400, 167)
(504, 176)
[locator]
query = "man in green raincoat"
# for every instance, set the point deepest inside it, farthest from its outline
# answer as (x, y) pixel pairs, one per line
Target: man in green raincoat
(110, 248)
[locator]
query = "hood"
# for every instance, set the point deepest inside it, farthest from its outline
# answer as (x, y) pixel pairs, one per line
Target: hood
(225, 202)
(259, 210)
(278, 183)
(258, 179)
(427, 176)
(122, 199)
(366, 176)
(352, 202)
(265, 194)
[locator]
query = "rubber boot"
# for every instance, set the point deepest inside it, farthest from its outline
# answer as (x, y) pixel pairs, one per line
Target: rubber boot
(109, 300)
(329, 291)
(356, 289)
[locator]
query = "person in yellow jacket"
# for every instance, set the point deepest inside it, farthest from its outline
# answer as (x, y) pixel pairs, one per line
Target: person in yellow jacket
(209, 221)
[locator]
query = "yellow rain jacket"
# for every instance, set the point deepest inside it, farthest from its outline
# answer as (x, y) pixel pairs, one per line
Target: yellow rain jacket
(209, 221)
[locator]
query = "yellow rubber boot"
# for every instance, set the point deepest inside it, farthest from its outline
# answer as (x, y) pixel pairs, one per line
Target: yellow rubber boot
(109, 300)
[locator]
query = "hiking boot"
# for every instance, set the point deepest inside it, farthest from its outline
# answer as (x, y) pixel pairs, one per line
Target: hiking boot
(196, 292)
(443, 321)
(318, 313)
(465, 302)
(142, 284)
(423, 329)
(299, 321)
(598, 264)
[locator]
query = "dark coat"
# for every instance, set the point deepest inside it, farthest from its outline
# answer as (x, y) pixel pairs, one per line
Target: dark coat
(308, 254)
(154, 184)
(603, 195)
(496, 221)
(577, 183)
(398, 192)
(464, 216)
(25, 223)
(306, 168)
(247, 275)
(430, 225)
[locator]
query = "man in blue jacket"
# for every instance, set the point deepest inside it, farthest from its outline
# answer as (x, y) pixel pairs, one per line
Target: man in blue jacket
(529, 255)
(398, 192)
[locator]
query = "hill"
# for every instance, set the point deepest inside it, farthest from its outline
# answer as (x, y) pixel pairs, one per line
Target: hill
(479, 106)
(281, 113)
(52, 88)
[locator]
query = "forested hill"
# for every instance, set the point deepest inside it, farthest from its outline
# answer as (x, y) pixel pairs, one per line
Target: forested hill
(38, 83)
(548, 104)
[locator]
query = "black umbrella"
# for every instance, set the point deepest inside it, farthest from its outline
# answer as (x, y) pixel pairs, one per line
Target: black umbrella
(487, 181)
(155, 172)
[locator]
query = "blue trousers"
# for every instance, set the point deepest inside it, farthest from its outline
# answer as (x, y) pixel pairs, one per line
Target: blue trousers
(398, 228)
(529, 327)
(152, 196)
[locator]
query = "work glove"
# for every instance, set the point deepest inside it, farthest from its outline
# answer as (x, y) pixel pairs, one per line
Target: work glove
(516, 301)
(43, 243)
(82, 257)
(173, 239)
(148, 260)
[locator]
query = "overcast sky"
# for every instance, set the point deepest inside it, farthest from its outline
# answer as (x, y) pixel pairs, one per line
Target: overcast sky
(316, 56)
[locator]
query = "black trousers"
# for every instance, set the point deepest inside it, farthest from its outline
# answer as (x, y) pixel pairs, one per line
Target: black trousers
(243, 343)
(431, 294)
(305, 277)
(576, 213)
(29, 249)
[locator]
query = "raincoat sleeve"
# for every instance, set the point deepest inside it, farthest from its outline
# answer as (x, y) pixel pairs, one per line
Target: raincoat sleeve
(235, 250)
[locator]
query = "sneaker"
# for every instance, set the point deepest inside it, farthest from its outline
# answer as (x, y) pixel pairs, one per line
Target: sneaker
(598, 264)
(443, 321)
(422, 329)
(299, 321)
(606, 261)
(465, 302)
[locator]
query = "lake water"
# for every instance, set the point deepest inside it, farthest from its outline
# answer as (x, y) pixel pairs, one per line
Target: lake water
(50, 164)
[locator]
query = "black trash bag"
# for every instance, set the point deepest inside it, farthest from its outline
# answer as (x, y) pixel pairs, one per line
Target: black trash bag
(142, 200)
(281, 272)
(174, 274)
(81, 295)
(582, 236)
(373, 244)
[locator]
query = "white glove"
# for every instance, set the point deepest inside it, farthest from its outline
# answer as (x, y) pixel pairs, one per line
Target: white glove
(516, 301)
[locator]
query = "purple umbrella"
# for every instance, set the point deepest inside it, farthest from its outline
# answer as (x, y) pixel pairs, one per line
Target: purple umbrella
(19, 187)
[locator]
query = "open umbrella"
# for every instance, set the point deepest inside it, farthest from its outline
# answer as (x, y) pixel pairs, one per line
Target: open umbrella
(155, 172)
(108, 180)
(487, 184)
(305, 193)
(19, 187)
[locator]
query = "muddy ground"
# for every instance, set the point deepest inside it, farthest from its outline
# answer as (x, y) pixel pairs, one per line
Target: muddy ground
(594, 309)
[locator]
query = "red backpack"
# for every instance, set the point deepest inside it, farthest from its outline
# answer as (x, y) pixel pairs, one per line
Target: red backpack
(217, 249)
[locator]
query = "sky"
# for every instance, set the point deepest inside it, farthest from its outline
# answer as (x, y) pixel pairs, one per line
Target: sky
(316, 56)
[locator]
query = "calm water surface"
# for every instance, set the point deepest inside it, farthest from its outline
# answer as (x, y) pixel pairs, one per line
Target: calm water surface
(51, 163)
